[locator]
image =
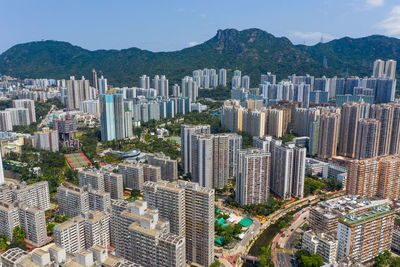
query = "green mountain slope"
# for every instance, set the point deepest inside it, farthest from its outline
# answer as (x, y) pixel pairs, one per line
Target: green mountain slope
(253, 51)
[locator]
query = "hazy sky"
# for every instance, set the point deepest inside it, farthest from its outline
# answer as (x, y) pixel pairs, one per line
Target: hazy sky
(166, 25)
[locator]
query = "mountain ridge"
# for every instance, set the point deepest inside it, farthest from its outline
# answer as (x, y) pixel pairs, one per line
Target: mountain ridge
(253, 51)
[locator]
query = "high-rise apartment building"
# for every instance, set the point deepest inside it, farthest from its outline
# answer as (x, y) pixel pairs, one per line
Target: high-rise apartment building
(33, 221)
(5, 121)
(362, 177)
(395, 136)
(112, 117)
(199, 211)
(169, 167)
(190, 88)
(78, 91)
(94, 79)
(94, 179)
(364, 235)
(274, 124)
(367, 138)
(97, 229)
(383, 113)
(132, 175)
(328, 135)
(187, 131)
(102, 85)
(34, 195)
(235, 144)
(252, 185)
(144, 82)
(220, 160)
(350, 115)
(202, 159)
(288, 169)
(321, 244)
(9, 213)
(19, 116)
(47, 140)
(26, 103)
(390, 69)
(72, 200)
(169, 199)
(70, 235)
(389, 177)
(145, 239)
(379, 68)
(222, 77)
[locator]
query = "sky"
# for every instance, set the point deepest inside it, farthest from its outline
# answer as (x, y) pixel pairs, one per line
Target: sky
(168, 25)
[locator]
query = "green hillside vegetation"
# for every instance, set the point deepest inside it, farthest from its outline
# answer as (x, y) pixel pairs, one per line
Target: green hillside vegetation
(253, 51)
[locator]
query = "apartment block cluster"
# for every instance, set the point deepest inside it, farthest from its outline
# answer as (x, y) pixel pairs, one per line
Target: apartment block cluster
(22, 113)
(24, 206)
(55, 256)
(308, 90)
(172, 225)
(350, 228)
(211, 159)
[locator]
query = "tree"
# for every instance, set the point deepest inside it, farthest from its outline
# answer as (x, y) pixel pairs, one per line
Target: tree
(383, 259)
(282, 224)
(19, 233)
(215, 264)
(135, 193)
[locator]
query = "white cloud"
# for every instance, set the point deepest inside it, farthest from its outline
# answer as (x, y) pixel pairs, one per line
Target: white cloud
(374, 3)
(312, 37)
(391, 25)
(193, 43)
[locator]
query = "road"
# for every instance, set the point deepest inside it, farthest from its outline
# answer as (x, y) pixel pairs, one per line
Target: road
(287, 259)
(53, 107)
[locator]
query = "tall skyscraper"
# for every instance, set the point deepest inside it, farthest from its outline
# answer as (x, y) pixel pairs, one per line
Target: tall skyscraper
(395, 136)
(367, 138)
(190, 88)
(235, 144)
(246, 82)
(379, 67)
(199, 223)
(112, 117)
(141, 237)
(220, 160)
(202, 159)
(222, 77)
(350, 115)
(187, 130)
(1, 171)
(189, 209)
(328, 135)
(288, 168)
(102, 85)
(94, 79)
(176, 90)
(78, 91)
(144, 82)
(383, 113)
(252, 185)
(390, 69)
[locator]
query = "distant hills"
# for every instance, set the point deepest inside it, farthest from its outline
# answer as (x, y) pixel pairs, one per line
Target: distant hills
(253, 51)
